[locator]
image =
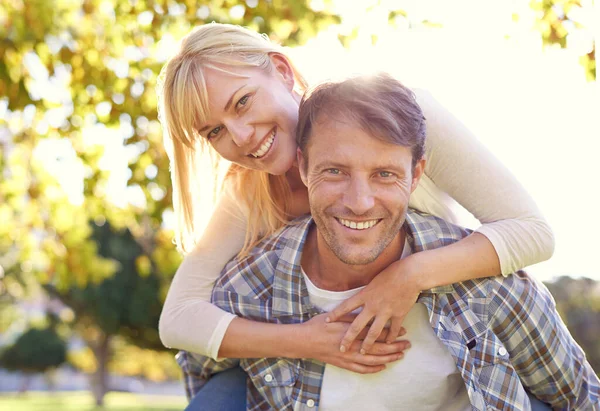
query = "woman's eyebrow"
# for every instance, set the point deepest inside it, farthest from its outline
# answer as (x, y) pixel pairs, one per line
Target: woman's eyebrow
(231, 98)
(227, 105)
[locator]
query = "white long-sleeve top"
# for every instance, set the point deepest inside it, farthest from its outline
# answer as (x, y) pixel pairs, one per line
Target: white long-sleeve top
(459, 170)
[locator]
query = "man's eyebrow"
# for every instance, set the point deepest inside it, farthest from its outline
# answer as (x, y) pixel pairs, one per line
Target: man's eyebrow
(330, 164)
(227, 105)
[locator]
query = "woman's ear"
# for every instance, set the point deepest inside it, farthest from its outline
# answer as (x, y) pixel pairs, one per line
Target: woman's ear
(283, 68)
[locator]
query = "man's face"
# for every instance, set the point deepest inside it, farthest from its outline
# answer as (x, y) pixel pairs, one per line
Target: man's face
(358, 189)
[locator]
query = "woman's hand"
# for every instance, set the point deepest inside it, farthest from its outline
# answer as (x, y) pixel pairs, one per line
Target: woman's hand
(388, 297)
(323, 339)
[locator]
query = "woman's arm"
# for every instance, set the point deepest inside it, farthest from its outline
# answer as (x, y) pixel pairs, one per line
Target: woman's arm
(461, 166)
(514, 233)
(188, 320)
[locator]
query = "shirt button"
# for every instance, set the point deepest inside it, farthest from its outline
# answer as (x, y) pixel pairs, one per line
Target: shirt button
(502, 351)
(268, 378)
(310, 403)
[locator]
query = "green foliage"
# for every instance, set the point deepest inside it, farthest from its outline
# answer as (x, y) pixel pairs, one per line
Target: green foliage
(556, 21)
(36, 350)
(126, 303)
(578, 302)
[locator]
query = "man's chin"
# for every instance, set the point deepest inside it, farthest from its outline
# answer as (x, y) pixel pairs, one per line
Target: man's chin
(355, 257)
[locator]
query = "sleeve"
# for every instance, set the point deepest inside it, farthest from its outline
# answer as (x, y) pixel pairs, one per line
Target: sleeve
(459, 165)
(188, 320)
(550, 364)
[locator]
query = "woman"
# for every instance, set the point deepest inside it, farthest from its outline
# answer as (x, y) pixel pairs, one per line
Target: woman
(231, 89)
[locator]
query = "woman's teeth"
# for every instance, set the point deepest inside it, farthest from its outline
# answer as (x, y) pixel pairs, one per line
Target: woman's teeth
(265, 146)
(363, 225)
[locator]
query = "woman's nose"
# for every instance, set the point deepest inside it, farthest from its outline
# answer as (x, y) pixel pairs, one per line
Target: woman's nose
(240, 133)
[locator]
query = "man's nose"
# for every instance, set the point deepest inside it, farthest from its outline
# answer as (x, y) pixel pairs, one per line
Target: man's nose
(241, 133)
(359, 198)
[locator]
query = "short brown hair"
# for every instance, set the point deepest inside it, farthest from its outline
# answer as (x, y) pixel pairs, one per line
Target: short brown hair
(379, 104)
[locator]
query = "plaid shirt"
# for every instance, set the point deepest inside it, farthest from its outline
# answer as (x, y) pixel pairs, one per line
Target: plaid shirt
(504, 333)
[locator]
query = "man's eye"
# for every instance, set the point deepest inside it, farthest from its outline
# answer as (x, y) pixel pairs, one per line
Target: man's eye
(386, 174)
(333, 171)
(243, 101)
(214, 132)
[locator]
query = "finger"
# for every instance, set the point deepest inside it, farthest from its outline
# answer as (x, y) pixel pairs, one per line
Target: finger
(355, 328)
(373, 360)
(345, 307)
(393, 348)
(361, 368)
(373, 333)
(383, 336)
(346, 318)
(394, 331)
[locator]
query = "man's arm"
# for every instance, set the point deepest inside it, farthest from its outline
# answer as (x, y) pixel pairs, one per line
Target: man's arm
(550, 364)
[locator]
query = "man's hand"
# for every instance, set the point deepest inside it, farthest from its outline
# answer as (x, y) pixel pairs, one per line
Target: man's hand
(323, 344)
(388, 297)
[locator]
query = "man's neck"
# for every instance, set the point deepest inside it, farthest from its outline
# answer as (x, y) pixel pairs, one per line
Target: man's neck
(328, 272)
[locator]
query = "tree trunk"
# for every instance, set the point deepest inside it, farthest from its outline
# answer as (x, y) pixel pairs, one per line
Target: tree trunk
(99, 380)
(25, 383)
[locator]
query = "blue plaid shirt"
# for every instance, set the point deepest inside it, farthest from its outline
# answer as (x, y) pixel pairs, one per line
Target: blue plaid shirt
(504, 333)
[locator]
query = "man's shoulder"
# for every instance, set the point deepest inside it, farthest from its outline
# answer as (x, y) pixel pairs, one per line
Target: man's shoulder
(427, 228)
(259, 264)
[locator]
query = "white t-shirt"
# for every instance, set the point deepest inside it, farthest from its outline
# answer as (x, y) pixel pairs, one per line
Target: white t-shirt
(459, 170)
(426, 379)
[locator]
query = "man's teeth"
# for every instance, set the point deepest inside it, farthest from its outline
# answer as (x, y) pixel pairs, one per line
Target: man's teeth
(363, 225)
(265, 146)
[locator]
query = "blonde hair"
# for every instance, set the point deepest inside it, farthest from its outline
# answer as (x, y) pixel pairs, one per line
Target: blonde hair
(183, 105)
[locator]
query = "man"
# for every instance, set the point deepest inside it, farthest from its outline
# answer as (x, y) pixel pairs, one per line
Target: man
(475, 345)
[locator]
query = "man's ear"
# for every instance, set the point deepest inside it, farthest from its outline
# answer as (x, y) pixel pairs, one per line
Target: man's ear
(417, 173)
(283, 68)
(302, 166)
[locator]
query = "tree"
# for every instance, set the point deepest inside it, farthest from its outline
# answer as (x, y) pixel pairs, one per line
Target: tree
(35, 351)
(125, 304)
(578, 302)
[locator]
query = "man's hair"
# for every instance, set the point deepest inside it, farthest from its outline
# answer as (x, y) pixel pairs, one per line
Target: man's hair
(379, 104)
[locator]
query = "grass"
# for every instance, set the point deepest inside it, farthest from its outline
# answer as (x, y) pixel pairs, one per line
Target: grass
(83, 401)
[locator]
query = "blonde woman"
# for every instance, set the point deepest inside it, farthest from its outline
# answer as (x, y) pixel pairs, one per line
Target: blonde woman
(231, 90)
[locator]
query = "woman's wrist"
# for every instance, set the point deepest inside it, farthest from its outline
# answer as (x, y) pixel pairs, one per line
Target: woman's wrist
(414, 270)
(470, 258)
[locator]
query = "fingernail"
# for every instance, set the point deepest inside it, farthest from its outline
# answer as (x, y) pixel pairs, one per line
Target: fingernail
(362, 351)
(327, 320)
(408, 346)
(342, 348)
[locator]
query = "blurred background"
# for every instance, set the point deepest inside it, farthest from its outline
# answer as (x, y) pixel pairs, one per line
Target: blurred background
(86, 223)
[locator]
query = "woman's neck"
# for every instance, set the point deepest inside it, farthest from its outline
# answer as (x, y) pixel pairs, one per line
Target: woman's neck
(299, 201)
(294, 179)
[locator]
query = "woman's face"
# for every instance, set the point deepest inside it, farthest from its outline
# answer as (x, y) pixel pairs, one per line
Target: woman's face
(253, 116)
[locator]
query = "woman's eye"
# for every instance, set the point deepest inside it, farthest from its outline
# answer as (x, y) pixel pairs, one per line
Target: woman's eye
(214, 132)
(243, 101)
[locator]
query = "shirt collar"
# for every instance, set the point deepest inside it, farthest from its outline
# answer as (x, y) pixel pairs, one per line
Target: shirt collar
(290, 295)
